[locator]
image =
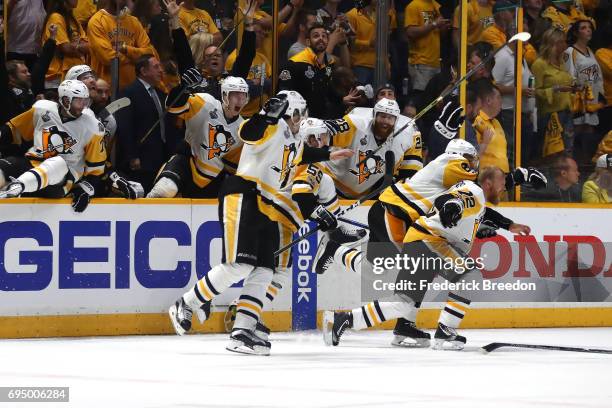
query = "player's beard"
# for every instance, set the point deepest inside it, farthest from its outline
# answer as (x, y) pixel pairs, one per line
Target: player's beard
(382, 132)
(319, 47)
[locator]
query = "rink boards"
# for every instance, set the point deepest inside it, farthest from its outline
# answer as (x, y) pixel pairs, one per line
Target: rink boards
(116, 268)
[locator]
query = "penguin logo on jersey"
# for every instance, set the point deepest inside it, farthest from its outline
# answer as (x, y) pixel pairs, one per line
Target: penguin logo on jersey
(219, 141)
(55, 141)
(369, 167)
(289, 155)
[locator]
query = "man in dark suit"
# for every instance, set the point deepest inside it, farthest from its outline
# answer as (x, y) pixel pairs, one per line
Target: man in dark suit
(141, 153)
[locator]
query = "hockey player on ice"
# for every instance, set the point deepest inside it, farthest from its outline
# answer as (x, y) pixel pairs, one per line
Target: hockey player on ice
(68, 154)
(259, 215)
(447, 230)
(363, 130)
(212, 146)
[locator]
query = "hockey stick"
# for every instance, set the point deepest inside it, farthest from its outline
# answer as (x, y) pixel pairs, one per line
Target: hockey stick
(146, 136)
(523, 36)
(494, 346)
(354, 223)
(387, 181)
(113, 107)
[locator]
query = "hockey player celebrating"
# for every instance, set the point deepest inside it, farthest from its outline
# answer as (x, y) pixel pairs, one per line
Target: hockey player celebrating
(212, 144)
(363, 130)
(259, 215)
(68, 152)
(447, 231)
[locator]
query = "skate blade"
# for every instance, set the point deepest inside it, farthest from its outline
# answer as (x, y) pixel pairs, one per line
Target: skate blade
(240, 348)
(177, 327)
(441, 344)
(407, 342)
(328, 325)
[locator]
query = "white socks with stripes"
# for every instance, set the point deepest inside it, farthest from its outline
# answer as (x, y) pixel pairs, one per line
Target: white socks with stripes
(377, 312)
(164, 188)
(454, 310)
(218, 279)
(350, 258)
(251, 300)
(49, 172)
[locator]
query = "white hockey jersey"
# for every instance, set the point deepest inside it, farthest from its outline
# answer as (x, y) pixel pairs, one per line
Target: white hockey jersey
(415, 197)
(353, 180)
(456, 241)
(586, 71)
(272, 163)
(79, 141)
(214, 142)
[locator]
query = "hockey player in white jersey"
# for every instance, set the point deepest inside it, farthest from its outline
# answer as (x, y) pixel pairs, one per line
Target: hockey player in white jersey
(212, 146)
(363, 130)
(447, 231)
(259, 215)
(68, 153)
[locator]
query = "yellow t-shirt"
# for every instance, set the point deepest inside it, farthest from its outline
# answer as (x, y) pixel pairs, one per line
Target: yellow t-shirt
(62, 63)
(102, 33)
(84, 10)
(479, 18)
(424, 50)
(494, 36)
(604, 57)
(196, 21)
(546, 76)
(254, 75)
(496, 152)
(563, 21)
(362, 53)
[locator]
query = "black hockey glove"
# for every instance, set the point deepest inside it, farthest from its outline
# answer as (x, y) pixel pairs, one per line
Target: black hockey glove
(326, 220)
(275, 108)
(450, 209)
(129, 189)
(450, 120)
(486, 230)
(191, 79)
(334, 126)
(81, 194)
(529, 176)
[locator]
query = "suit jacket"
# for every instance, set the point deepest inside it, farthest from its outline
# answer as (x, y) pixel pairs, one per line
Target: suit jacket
(134, 121)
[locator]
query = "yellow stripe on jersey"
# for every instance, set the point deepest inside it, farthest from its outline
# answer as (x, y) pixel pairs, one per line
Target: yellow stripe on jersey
(199, 177)
(274, 214)
(232, 206)
(194, 104)
(267, 188)
(231, 159)
(22, 126)
(284, 259)
(270, 131)
(347, 132)
(95, 156)
(457, 170)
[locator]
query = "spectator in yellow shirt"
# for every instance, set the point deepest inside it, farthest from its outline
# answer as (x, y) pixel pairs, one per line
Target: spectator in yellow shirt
(489, 132)
(480, 16)
(423, 23)
(562, 13)
(194, 20)
(71, 40)
(598, 188)
(84, 10)
(554, 86)
(130, 40)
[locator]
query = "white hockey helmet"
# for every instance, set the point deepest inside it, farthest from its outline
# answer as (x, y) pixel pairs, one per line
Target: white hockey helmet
(388, 106)
(463, 148)
(233, 84)
(68, 90)
(312, 127)
(297, 106)
(76, 71)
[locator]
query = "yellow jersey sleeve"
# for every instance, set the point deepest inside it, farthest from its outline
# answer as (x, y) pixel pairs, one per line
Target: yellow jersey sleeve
(194, 104)
(346, 131)
(22, 127)
(95, 156)
(457, 170)
(307, 179)
(413, 157)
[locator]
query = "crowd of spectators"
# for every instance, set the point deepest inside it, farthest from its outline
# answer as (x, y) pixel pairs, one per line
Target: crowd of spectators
(327, 51)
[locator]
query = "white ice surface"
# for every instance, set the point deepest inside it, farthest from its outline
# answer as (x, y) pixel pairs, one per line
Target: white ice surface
(364, 371)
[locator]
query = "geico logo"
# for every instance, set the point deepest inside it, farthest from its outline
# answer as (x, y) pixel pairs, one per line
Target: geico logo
(304, 262)
(129, 249)
(553, 256)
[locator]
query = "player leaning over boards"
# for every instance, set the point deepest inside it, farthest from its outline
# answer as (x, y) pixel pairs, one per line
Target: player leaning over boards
(446, 231)
(212, 146)
(259, 215)
(363, 130)
(68, 154)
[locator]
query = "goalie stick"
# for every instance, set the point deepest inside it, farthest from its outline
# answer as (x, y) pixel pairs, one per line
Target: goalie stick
(494, 346)
(387, 181)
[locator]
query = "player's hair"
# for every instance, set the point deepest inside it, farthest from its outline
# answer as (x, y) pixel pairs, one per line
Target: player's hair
(12, 66)
(142, 62)
(488, 173)
(315, 26)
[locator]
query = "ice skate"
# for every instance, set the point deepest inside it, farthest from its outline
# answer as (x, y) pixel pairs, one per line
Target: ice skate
(446, 338)
(324, 257)
(406, 334)
(334, 324)
(245, 341)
